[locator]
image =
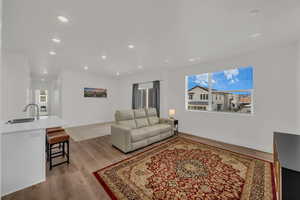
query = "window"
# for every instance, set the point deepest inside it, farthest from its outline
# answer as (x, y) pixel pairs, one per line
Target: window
(146, 95)
(190, 96)
(224, 91)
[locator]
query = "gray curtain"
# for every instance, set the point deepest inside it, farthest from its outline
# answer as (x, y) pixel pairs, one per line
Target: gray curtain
(143, 96)
(154, 96)
(139, 97)
(136, 96)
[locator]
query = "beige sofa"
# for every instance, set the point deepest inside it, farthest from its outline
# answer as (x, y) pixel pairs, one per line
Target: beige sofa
(138, 128)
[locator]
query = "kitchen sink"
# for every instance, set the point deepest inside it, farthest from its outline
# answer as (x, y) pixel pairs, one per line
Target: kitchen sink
(23, 120)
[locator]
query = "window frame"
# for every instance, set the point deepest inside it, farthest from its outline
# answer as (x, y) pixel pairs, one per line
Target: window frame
(210, 96)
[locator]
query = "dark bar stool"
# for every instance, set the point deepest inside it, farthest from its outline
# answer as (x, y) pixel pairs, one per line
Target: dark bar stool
(51, 131)
(60, 138)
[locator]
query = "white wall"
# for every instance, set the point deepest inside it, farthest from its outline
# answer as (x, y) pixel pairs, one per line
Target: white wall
(15, 85)
(275, 98)
(77, 110)
(55, 99)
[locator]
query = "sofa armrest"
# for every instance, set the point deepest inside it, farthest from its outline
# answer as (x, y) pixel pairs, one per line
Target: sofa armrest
(121, 137)
(167, 121)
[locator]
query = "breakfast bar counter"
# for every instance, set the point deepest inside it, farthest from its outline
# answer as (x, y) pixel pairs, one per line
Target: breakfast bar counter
(23, 160)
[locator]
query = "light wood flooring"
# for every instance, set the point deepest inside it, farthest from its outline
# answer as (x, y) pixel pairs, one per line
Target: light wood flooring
(76, 181)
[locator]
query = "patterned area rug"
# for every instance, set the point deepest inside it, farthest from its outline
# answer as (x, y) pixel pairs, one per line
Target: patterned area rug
(184, 169)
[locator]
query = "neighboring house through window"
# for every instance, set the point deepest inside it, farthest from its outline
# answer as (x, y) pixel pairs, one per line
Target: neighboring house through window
(224, 91)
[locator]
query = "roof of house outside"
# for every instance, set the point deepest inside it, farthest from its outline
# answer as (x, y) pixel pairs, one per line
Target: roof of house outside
(198, 86)
(206, 89)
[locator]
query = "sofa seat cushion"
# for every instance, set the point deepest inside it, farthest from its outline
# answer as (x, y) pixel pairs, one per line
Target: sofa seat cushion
(147, 132)
(162, 127)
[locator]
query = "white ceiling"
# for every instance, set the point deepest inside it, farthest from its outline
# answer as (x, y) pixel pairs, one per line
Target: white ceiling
(176, 30)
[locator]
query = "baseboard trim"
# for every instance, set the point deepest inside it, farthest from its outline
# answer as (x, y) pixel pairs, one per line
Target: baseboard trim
(88, 124)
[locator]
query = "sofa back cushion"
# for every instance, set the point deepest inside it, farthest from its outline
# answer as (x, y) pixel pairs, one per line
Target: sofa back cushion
(125, 118)
(153, 120)
(151, 112)
(140, 118)
(152, 116)
(127, 123)
(122, 115)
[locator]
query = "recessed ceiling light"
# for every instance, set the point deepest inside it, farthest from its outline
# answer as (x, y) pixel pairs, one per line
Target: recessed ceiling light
(255, 35)
(63, 19)
(118, 73)
(103, 57)
(56, 40)
(254, 12)
(192, 59)
(52, 53)
(85, 67)
(140, 67)
(130, 46)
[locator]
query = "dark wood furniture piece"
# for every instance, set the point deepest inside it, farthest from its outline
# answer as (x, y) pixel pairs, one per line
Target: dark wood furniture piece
(57, 138)
(51, 131)
(176, 126)
(287, 165)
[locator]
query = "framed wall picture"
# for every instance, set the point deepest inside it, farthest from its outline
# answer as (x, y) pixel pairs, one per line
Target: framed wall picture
(95, 92)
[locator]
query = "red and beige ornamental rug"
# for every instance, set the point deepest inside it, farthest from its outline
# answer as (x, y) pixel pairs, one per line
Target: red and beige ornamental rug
(187, 170)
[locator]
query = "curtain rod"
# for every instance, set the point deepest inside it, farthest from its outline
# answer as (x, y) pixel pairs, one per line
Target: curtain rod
(149, 81)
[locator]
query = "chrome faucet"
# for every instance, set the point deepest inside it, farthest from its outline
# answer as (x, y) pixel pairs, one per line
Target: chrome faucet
(37, 109)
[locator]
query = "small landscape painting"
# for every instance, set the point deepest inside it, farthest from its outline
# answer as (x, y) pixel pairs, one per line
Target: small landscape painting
(95, 92)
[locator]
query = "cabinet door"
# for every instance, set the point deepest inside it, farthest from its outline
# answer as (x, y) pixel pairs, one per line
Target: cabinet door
(23, 160)
(290, 184)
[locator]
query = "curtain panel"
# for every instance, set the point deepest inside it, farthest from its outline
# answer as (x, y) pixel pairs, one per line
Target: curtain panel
(136, 98)
(156, 97)
(139, 96)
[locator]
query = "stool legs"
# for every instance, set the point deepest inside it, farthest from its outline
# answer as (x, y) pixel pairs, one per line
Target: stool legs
(63, 147)
(50, 155)
(68, 150)
(62, 152)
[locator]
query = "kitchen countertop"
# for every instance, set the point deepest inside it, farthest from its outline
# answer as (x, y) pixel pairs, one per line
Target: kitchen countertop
(42, 123)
